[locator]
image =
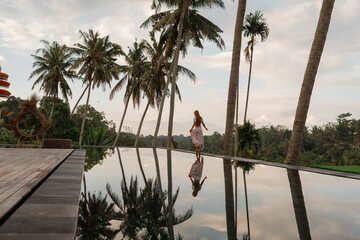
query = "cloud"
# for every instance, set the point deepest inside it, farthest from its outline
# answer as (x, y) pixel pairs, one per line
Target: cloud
(2, 58)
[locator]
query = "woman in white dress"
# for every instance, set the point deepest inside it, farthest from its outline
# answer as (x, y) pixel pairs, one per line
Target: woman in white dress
(196, 133)
(195, 175)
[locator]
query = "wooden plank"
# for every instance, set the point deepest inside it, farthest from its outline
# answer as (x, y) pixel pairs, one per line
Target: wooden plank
(22, 169)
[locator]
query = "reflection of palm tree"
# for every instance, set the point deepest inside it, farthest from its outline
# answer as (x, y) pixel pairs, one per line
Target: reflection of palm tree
(299, 204)
(158, 178)
(94, 218)
(246, 167)
(94, 156)
(139, 210)
(140, 164)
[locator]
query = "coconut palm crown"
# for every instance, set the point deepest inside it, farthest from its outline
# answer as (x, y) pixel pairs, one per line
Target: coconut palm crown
(96, 63)
(52, 68)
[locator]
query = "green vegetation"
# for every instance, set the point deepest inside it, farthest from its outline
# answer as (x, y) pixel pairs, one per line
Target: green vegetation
(350, 169)
(335, 143)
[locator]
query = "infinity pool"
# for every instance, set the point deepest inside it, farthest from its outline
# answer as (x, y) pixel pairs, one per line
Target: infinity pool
(282, 204)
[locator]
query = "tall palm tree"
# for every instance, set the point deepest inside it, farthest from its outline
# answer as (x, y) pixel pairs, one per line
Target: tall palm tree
(97, 63)
(132, 70)
(308, 81)
(53, 68)
(255, 25)
(230, 114)
(153, 79)
(182, 29)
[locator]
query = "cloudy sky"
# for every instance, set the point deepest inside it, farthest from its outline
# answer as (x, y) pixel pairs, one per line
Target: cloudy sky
(278, 68)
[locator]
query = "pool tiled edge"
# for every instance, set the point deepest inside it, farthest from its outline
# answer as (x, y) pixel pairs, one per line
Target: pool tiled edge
(51, 211)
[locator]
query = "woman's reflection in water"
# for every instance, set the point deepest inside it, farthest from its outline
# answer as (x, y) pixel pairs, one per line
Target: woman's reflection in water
(195, 175)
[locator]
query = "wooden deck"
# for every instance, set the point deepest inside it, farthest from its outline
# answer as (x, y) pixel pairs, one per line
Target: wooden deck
(22, 169)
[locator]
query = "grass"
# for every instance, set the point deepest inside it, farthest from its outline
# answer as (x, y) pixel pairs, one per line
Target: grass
(350, 169)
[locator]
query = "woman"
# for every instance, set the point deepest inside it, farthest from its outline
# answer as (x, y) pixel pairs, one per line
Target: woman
(196, 132)
(195, 175)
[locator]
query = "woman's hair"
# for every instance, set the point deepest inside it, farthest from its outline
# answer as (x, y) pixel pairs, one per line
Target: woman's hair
(198, 117)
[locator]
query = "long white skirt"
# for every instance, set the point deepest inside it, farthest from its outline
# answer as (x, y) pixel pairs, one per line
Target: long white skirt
(197, 137)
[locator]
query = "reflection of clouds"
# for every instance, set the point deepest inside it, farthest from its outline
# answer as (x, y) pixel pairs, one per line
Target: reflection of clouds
(332, 203)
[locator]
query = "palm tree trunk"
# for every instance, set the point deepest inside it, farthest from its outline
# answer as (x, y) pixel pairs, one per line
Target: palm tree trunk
(248, 86)
(233, 85)
(84, 116)
(140, 125)
(161, 110)
(174, 72)
(161, 107)
(299, 204)
(52, 108)
(308, 82)
(72, 112)
(122, 121)
(140, 165)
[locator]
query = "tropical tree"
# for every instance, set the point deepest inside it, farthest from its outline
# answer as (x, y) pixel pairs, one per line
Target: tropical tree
(153, 79)
(52, 68)
(182, 29)
(97, 63)
(308, 81)
(255, 25)
(249, 140)
(132, 70)
(230, 114)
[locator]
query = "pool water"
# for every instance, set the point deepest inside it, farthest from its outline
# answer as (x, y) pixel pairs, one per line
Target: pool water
(279, 204)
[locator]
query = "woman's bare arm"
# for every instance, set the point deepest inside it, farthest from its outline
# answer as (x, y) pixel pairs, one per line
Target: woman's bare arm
(203, 181)
(204, 125)
(192, 127)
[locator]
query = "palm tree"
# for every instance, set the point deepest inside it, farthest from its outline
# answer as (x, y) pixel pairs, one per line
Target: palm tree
(250, 140)
(153, 79)
(255, 25)
(230, 113)
(182, 29)
(97, 62)
(249, 143)
(133, 70)
(308, 81)
(53, 68)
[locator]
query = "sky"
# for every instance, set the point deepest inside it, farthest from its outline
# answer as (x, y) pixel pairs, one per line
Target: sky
(278, 65)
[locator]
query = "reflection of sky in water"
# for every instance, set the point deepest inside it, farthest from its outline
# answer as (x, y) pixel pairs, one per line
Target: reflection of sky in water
(332, 203)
